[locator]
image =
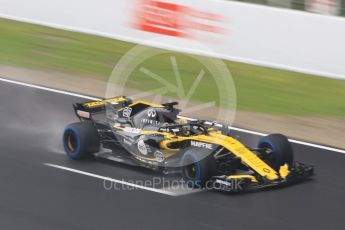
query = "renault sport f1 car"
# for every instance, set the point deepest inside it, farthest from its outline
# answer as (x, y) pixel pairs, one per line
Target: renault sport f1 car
(156, 137)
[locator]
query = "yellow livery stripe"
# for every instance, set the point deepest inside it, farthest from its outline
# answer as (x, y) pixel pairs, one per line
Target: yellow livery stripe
(239, 150)
(252, 178)
(103, 102)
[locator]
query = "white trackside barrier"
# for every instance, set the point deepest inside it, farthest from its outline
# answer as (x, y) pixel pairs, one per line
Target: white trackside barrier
(242, 32)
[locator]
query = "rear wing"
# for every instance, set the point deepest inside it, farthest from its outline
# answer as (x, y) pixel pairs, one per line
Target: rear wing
(86, 109)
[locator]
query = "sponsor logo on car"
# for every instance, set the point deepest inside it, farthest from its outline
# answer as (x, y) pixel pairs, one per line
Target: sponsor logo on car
(113, 101)
(150, 121)
(201, 144)
(142, 147)
(128, 141)
(127, 112)
(131, 130)
(159, 156)
(83, 114)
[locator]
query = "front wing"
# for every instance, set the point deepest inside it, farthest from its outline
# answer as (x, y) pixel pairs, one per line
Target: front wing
(297, 173)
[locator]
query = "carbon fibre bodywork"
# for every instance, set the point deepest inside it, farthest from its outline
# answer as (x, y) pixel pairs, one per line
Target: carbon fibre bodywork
(154, 136)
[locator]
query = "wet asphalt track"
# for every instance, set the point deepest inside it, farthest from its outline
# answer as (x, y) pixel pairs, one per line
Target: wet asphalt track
(35, 196)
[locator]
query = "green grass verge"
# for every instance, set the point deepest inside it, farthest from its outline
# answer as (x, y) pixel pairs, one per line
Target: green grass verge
(259, 89)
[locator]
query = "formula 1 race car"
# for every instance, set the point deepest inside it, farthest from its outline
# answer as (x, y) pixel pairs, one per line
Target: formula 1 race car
(156, 137)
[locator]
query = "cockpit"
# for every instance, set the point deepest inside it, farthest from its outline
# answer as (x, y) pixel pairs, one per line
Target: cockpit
(185, 130)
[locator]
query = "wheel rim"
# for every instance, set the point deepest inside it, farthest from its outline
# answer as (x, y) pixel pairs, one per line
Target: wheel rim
(71, 142)
(269, 153)
(190, 171)
(271, 157)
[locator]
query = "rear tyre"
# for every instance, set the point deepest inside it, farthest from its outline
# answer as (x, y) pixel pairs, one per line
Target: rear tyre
(277, 150)
(80, 140)
(197, 168)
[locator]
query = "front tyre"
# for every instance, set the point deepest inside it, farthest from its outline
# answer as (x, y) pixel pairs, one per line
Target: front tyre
(276, 150)
(197, 169)
(81, 140)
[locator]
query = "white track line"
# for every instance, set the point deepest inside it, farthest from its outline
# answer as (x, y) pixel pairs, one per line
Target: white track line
(167, 191)
(48, 89)
(294, 141)
(234, 128)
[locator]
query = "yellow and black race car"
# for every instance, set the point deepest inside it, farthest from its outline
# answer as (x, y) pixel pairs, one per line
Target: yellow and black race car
(155, 136)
